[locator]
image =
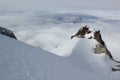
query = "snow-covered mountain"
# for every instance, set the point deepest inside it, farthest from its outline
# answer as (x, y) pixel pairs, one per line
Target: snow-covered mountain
(72, 59)
(19, 61)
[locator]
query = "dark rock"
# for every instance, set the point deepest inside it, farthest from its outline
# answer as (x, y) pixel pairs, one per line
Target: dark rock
(82, 32)
(7, 32)
(98, 38)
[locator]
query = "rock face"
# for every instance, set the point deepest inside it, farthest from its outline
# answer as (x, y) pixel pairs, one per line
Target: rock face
(100, 47)
(82, 32)
(7, 32)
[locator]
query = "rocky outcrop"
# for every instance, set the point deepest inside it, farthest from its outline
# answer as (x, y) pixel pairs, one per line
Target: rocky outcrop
(98, 38)
(100, 47)
(82, 32)
(7, 32)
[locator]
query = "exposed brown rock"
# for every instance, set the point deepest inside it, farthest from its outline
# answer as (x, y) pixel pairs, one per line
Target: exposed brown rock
(100, 47)
(98, 38)
(82, 32)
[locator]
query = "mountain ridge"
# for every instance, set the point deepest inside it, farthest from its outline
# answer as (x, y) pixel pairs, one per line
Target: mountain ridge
(26, 62)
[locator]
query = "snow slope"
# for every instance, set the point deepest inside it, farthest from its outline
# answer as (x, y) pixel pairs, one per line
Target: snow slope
(51, 31)
(19, 61)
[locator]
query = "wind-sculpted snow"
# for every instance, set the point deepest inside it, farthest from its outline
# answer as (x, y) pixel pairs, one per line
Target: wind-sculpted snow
(19, 61)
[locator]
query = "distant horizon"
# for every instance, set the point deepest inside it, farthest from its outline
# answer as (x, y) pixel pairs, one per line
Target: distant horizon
(72, 10)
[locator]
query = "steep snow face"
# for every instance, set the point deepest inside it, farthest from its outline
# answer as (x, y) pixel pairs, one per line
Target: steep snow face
(19, 61)
(66, 48)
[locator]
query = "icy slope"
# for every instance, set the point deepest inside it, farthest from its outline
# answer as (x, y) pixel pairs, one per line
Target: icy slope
(19, 61)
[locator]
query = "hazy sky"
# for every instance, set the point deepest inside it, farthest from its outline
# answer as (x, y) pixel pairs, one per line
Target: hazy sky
(58, 4)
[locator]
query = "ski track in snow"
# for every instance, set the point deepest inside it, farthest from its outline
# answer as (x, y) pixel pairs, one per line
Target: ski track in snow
(22, 52)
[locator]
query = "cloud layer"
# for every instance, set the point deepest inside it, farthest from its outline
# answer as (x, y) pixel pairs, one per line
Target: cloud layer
(52, 30)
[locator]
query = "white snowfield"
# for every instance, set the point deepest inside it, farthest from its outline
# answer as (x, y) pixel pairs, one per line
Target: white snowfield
(19, 61)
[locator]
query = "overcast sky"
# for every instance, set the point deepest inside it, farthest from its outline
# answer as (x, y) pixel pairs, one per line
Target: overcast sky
(58, 4)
